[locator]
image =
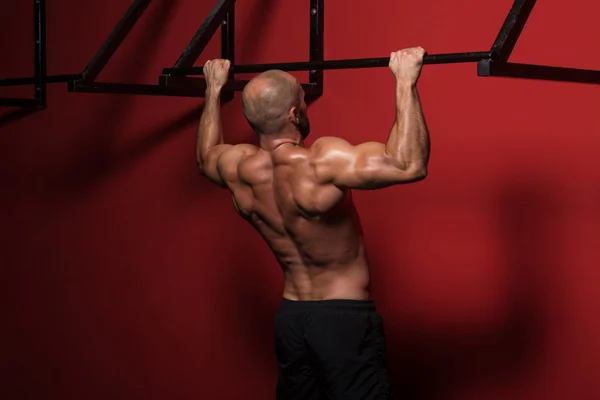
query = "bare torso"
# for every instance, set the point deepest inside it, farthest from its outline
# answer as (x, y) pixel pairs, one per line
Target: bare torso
(313, 230)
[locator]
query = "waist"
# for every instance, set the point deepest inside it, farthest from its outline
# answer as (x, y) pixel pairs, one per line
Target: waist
(333, 304)
(347, 283)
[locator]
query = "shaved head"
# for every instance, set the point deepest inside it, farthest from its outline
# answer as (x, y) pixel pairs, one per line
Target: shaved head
(272, 101)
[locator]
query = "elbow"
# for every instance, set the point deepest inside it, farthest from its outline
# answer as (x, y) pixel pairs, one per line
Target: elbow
(417, 172)
(201, 167)
(410, 172)
(202, 160)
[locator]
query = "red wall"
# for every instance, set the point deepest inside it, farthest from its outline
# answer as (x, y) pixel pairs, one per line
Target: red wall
(127, 276)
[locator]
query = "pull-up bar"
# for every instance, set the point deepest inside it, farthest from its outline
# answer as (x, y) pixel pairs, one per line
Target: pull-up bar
(337, 64)
(175, 81)
(40, 80)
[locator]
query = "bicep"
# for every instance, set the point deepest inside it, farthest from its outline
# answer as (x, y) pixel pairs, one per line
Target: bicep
(364, 166)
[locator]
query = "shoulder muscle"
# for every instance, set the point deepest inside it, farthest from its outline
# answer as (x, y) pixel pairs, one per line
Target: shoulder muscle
(333, 157)
(231, 158)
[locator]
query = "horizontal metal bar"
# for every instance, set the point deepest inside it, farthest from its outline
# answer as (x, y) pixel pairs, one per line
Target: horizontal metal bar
(128, 88)
(188, 88)
(541, 72)
(34, 80)
(15, 102)
(336, 64)
(233, 85)
(197, 83)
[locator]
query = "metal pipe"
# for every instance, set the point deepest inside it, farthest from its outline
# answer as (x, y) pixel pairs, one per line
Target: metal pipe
(39, 8)
(114, 40)
(40, 80)
(337, 64)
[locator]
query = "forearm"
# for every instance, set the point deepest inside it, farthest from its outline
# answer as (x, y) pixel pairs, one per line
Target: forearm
(408, 142)
(210, 132)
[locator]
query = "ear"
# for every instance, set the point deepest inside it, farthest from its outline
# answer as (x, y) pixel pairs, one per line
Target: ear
(293, 116)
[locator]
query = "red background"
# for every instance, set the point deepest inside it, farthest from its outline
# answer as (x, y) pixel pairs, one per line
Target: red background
(128, 276)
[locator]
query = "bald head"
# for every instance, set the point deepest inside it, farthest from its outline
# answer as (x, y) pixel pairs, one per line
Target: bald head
(268, 100)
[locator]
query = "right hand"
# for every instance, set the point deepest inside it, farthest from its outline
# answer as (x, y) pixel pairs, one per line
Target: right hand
(216, 73)
(406, 64)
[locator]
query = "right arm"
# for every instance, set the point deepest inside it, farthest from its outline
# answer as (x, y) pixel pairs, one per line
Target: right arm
(373, 165)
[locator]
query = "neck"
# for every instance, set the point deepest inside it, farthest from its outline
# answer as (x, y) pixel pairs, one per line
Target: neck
(273, 141)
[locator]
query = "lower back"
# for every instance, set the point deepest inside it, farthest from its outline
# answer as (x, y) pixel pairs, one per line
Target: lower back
(324, 257)
(347, 280)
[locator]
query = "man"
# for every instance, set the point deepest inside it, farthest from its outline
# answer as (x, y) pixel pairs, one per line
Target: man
(329, 339)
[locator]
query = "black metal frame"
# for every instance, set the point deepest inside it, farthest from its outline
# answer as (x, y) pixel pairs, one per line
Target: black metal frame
(504, 44)
(176, 81)
(40, 79)
(88, 84)
(180, 72)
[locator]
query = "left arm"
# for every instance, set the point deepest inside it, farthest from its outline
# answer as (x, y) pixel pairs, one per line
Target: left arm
(209, 140)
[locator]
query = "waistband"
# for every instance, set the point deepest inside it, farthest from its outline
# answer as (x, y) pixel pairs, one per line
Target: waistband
(336, 304)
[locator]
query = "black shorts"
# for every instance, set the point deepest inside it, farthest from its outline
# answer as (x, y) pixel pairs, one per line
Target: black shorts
(330, 349)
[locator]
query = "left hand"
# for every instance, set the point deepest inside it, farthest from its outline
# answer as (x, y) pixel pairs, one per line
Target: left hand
(216, 73)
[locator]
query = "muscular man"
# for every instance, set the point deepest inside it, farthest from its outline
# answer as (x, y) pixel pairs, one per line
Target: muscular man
(329, 339)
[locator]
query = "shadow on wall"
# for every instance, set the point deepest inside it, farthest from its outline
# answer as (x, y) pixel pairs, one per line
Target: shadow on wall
(100, 161)
(116, 107)
(424, 365)
(16, 115)
(96, 158)
(252, 270)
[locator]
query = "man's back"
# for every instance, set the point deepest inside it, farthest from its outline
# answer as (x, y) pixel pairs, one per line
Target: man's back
(329, 338)
(312, 228)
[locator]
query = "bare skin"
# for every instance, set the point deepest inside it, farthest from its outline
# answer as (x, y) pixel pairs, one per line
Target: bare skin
(300, 198)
